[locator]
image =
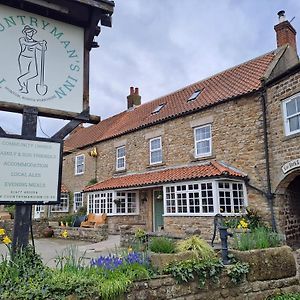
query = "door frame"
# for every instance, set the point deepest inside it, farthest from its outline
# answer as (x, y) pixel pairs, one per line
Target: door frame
(153, 206)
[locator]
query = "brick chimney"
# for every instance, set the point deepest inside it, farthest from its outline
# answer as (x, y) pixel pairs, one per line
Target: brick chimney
(285, 32)
(133, 99)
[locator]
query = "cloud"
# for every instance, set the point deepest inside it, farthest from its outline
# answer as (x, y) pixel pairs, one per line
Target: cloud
(161, 46)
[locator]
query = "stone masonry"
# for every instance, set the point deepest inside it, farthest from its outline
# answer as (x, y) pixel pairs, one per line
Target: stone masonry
(240, 146)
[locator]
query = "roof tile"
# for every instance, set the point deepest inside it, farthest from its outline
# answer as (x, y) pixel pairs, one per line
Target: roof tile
(230, 83)
(212, 169)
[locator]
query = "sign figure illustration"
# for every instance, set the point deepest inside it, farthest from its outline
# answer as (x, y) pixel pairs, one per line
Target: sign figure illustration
(32, 61)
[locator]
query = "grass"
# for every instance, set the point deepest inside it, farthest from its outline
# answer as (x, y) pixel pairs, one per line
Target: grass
(162, 245)
(258, 238)
(199, 246)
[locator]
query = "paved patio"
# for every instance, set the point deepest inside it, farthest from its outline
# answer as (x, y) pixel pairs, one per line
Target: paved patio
(50, 248)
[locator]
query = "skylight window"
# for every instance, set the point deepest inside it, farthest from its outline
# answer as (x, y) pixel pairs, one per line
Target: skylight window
(194, 95)
(158, 108)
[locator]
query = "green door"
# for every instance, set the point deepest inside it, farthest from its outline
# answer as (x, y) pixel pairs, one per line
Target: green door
(158, 210)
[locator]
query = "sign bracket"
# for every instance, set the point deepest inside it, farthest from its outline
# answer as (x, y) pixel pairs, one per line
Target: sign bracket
(63, 132)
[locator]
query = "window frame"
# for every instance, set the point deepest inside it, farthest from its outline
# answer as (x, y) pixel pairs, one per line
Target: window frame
(77, 165)
(151, 151)
(118, 158)
(60, 207)
(215, 198)
(201, 140)
(287, 129)
(75, 208)
(110, 207)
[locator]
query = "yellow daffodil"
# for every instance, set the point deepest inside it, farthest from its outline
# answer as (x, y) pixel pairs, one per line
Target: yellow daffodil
(243, 224)
(6, 240)
(2, 231)
(130, 250)
(65, 234)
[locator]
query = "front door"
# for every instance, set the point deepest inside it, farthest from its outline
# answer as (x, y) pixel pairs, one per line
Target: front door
(38, 209)
(158, 210)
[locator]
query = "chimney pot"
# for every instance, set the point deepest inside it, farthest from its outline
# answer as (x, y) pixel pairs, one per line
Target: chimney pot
(281, 16)
(133, 99)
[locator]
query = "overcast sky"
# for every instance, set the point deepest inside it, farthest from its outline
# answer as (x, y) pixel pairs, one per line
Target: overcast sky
(163, 45)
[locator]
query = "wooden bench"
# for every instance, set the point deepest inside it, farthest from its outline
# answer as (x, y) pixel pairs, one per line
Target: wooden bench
(94, 220)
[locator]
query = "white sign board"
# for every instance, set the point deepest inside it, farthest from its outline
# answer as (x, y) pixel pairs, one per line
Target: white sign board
(41, 61)
(29, 170)
(291, 165)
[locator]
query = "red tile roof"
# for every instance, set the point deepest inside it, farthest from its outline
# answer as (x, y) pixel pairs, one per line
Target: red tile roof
(211, 169)
(234, 82)
(64, 189)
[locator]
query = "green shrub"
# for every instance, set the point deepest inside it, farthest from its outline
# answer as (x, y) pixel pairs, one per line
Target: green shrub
(258, 238)
(199, 246)
(162, 245)
(188, 270)
(237, 272)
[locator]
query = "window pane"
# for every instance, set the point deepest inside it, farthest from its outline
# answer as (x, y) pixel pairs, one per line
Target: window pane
(121, 151)
(155, 144)
(291, 108)
(203, 147)
(203, 133)
(156, 156)
(294, 123)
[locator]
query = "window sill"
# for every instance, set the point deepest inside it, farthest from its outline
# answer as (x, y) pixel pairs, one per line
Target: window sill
(78, 174)
(117, 172)
(193, 159)
(153, 166)
(291, 136)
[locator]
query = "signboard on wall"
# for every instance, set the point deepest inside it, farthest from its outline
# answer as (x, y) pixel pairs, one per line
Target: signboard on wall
(42, 61)
(293, 164)
(30, 170)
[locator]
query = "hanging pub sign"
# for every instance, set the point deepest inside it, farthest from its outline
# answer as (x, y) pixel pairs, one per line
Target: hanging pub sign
(30, 170)
(43, 61)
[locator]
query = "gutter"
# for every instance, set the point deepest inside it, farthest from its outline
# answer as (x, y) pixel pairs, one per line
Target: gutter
(269, 195)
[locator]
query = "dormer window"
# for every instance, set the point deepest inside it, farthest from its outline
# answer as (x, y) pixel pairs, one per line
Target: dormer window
(195, 95)
(158, 108)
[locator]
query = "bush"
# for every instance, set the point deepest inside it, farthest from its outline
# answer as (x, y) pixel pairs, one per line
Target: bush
(258, 238)
(162, 245)
(188, 270)
(199, 246)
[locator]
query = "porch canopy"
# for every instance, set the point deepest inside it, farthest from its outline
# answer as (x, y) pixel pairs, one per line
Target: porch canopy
(207, 170)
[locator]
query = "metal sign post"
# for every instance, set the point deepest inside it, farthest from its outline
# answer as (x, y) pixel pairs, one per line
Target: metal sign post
(23, 212)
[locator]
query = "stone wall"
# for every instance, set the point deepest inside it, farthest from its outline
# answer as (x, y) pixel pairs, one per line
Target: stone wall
(282, 150)
(38, 227)
(93, 235)
(165, 287)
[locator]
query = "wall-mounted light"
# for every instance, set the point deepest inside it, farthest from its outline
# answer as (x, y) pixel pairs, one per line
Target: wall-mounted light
(93, 152)
(159, 196)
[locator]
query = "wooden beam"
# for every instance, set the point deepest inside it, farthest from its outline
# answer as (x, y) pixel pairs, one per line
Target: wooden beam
(50, 113)
(62, 133)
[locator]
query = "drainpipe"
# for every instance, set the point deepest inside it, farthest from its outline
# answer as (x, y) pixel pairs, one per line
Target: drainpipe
(269, 195)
